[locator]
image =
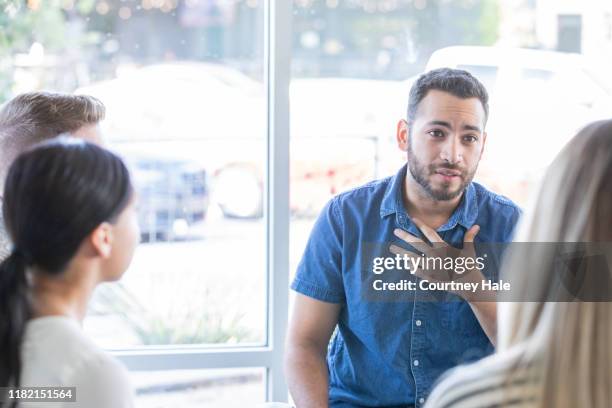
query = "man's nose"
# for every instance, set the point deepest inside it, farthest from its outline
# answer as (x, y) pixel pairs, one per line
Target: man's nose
(451, 151)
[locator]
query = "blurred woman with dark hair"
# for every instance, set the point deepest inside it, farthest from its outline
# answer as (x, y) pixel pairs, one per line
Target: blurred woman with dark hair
(69, 211)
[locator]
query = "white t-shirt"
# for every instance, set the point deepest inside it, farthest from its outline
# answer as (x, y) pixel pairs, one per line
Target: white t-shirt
(57, 353)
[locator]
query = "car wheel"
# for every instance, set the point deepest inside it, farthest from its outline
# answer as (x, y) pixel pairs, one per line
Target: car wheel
(238, 191)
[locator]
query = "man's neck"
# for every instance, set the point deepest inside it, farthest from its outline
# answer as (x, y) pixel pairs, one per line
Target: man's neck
(419, 204)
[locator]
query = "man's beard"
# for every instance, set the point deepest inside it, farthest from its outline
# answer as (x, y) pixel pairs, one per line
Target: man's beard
(421, 173)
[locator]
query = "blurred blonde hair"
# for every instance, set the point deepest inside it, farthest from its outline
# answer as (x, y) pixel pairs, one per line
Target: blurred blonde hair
(566, 344)
(32, 117)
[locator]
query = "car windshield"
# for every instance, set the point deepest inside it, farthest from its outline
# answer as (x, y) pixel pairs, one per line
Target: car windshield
(487, 74)
(602, 79)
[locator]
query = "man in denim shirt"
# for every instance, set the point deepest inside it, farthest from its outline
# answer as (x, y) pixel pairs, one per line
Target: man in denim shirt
(389, 354)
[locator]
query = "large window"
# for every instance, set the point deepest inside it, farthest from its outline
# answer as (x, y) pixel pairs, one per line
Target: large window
(186, 107)
(355, 61)
(197, 96)
(188, 87)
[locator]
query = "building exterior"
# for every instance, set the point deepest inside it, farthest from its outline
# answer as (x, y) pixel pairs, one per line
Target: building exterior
(575, 26)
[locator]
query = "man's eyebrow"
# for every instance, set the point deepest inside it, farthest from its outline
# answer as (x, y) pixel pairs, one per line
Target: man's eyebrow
(472, 127)
(440, 123)
(448, 125)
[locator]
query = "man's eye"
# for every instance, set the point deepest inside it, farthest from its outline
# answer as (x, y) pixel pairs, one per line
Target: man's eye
(470, 139)
(436, 133)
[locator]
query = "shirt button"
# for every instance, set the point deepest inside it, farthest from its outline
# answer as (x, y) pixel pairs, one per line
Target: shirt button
(421, 400)
(416, 362)
(418, 322)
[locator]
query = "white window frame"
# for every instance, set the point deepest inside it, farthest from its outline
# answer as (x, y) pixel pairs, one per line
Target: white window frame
(277, 59)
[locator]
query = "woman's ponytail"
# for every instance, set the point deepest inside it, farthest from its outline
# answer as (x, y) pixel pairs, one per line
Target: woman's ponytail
(14, 314)
(55, 195)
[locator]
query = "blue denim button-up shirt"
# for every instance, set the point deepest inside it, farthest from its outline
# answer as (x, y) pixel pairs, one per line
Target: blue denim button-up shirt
(389, 354)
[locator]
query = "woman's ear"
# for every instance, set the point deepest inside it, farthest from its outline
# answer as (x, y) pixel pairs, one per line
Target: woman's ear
(102, 240)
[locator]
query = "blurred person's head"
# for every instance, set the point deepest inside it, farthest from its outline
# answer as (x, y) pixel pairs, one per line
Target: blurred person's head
(69, 211)
(444, 134)
(568, 335)
(33, 117)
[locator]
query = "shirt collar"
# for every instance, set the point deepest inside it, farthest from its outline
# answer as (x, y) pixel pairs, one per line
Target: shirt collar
(465, 214)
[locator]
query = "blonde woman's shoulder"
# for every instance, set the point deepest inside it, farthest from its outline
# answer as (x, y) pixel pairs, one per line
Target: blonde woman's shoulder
(483, 384)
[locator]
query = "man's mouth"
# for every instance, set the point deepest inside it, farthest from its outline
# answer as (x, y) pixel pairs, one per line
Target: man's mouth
(448, 172)
(448, 175)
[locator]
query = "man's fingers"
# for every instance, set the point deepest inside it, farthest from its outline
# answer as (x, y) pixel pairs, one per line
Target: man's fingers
(394, 249)
(417, 243)
(429, 232)
(471, 233)
(406, 236)
(418, 272)
(421, 271)
(429, 276)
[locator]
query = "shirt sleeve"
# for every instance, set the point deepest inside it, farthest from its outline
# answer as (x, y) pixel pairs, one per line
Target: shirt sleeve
(102, 382)
(319, 273)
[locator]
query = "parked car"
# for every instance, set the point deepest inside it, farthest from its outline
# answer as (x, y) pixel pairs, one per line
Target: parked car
(173, 194)
(215, 115)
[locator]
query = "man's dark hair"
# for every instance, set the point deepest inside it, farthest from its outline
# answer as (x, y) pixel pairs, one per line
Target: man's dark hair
(456, 82)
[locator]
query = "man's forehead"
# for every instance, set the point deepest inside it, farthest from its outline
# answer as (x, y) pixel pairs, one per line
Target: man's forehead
(90, 133)
(443, 106)
(441, 100)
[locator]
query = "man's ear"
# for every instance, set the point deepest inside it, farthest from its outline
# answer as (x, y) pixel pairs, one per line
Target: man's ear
(90, 133)
(101, 240)
(403, 132)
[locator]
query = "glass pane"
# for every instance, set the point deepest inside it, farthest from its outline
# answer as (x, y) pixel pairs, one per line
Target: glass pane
(227, 388)
(485, 74)
(354, 64)
(182, 82)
